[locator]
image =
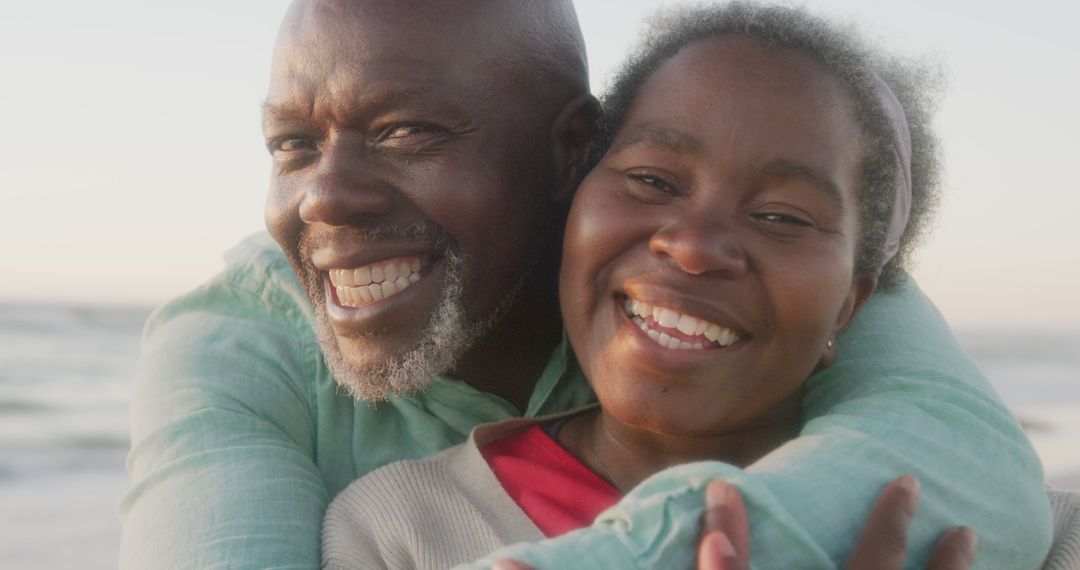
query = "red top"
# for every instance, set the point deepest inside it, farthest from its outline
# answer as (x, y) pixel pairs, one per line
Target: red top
(558, 492)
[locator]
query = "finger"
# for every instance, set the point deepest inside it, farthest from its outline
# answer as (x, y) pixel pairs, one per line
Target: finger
(717, 553)
(511, 565)
(725, 512)
(883, 541)
(955, 550)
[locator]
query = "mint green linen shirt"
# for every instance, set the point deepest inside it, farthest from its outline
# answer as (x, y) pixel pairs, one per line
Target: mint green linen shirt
(240, 438)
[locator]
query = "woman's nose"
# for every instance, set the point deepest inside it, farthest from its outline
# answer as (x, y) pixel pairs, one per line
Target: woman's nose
(344, 189)
(700, 246)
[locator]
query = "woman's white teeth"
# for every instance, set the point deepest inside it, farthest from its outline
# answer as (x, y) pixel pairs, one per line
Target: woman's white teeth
(666, 317)
(687, 324)
(376, 281)
(641, 313)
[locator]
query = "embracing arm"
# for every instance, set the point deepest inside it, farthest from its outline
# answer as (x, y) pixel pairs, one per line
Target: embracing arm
(902, 398)
(222, 464)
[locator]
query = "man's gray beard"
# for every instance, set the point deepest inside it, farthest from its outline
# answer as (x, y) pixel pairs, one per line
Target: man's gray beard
(442, 343)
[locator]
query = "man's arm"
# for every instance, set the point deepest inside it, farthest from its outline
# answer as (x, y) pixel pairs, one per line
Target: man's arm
(882, 545)
(222, 466)
(902, 398)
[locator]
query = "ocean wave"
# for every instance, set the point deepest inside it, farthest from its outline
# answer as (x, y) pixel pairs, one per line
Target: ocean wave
(53, 319)
(26, 406)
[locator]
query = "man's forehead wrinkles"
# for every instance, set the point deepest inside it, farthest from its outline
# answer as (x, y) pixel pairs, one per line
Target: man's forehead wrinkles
(347, 102)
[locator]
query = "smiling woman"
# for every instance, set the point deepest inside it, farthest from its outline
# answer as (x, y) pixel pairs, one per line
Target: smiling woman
(716, 222)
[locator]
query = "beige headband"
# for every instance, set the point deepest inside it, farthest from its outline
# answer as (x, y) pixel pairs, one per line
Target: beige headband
(902, 148)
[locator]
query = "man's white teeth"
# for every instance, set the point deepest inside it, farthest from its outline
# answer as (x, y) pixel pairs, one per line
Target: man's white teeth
(641, 313)
(376, 281)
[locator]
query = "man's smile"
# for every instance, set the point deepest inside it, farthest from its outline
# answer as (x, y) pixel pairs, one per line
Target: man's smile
(371, 283)
(380, 287)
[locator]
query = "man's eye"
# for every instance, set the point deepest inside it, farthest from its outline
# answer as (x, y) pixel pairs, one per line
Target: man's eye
(405, 131)
(291, 145)
(408, 134)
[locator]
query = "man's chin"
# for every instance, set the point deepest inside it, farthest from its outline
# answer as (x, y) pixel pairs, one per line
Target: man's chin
(374, 367)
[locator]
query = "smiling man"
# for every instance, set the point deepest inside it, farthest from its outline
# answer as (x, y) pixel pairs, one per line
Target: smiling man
(424, 154)
(412, 201)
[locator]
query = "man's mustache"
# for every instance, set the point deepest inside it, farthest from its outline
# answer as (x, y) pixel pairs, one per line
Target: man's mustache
(416, 232)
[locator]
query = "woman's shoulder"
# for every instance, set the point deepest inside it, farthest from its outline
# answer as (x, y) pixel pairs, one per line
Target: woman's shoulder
(398, 483)
(434, 512)
(374, 522)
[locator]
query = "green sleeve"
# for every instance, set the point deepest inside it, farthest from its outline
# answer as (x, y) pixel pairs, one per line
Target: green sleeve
(902, 399)
(222, 461)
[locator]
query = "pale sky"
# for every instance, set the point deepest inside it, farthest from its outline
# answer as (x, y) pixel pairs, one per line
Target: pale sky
(132, 158)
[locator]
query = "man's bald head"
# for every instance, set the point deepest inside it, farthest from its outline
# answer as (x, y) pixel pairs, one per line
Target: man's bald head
(532, 45)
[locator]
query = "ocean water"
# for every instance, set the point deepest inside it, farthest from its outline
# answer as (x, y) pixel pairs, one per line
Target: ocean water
(65, 381)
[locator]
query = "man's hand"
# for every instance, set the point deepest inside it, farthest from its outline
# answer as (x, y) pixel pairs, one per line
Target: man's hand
(725, 537)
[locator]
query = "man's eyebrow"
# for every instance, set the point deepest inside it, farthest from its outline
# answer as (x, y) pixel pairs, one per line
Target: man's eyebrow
(282, 112)
(782, 168)
(656, 135)
(289, 110)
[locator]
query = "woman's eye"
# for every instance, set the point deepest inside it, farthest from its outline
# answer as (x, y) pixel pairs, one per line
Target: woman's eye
(653, 181)
(784, 218)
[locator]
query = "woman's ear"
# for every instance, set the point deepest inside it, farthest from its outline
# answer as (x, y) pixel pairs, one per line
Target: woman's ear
(570, 143)
(861, 290)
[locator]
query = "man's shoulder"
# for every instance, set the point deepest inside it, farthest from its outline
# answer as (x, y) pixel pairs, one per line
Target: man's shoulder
(257, 283)
(244, 334)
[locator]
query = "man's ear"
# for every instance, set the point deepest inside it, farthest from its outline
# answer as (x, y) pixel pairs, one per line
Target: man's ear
(570, 142)
(861, 290)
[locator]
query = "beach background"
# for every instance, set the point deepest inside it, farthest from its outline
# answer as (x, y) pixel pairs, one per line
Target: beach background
(65, 381)
(131, 158)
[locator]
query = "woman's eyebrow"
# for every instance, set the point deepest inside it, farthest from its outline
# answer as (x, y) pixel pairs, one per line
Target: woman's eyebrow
(656, 135)
(784, 168)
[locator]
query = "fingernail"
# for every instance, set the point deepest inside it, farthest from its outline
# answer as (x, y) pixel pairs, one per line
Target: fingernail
(910, 484)
(716, 495)
(971, 540)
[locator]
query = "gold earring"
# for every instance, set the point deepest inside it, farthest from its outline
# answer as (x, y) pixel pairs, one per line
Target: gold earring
(828, 345)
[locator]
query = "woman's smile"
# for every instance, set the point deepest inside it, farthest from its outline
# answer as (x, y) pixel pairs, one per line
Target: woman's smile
(678, 331)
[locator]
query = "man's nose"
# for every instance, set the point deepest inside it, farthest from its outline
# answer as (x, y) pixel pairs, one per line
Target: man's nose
(700, 244)
(344, 189)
